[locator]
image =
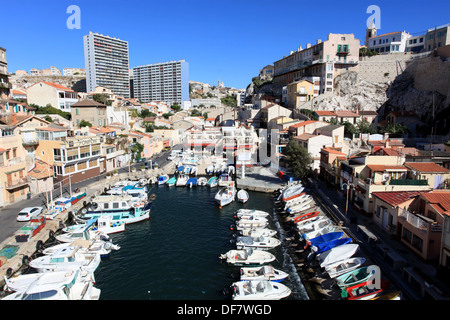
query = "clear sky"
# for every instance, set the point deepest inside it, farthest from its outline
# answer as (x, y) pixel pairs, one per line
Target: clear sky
(227, 39)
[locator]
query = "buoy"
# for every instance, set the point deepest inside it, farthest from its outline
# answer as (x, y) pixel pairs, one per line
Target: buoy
(220, 207)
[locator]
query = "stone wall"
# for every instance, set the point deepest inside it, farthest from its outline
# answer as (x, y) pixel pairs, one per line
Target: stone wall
(383, 68)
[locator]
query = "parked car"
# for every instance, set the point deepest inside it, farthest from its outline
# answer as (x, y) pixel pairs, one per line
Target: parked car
(27, 213)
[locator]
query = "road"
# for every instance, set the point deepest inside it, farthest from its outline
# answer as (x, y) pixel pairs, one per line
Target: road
(8, 214)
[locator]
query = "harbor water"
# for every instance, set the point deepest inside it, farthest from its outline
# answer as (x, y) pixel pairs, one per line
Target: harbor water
(175, 254)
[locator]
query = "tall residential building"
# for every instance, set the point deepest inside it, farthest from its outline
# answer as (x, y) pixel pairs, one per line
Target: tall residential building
(167, 81)
(107, 64)
(4, 82)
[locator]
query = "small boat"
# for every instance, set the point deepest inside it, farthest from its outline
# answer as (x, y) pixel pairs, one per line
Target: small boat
(180, 169)
(192, 182)
(329, 245)
(181, 180)
(253, 222)
(259, 290)
(395, 295)
(103, 224)
(194, 170)
(212, 182)
(351, 278)
(163, 179)
(231, 170)
(336, 254)
(225, 195)
(242, 196)
(247, 257)
(102, 247)
(364, 291)
(343, 266)
(261, 243)
(291, 192)
(258, 232)
(300, 206)
(325, 238)
(86, 232)
(224, 180)
(305, 216)
(210, 169)
(250, 212)
(171, 182)
(313, 224)
(290, 203)
(300, 210)
(318, 232)
(63, 285)
(69, 258)
(202, 181)
(263, 273)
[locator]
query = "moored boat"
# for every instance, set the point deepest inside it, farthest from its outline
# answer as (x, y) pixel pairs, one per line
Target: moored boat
(336, 254)
(225, 195)
(359, 275)
(163, 179)
(181, 180)
(202, 181)
(261, 243)
(247, 257)
(259, 290)
(242, 196)
(263, 273)
(343, 266)
(322, 247)
(212, 182)
(306, 216)
(245, 213)
(171, 182)
(364, 290)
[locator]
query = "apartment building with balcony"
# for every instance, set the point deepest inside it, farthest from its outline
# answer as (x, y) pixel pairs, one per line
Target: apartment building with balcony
(325, 60)
(107, 64)
(56, 95)
(163, 82)
(391, 42)
(5, 86)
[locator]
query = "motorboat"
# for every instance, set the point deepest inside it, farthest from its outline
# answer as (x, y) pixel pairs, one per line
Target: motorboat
(231, 170)
(300, 210)
(248, 257)
(318, 232)
(202, 181)
(313, 224)
(318, 248)
(163, 179)
(258, 232)
(359, 275)
(292, 192)
(250, 212)
(103, 224)
(336, 254)
(181, 180)
(84, 233)
(102, 247)
(62, 285)
(292, 202)
(306, 216)
(259, 290)
(325, 238)
(263, 273)
(224, 180)
(122, 208)
(242, 196)
(254, 222)
(343, 266)
(69, 258)
(225, 195)
(192, 182)
(194, 170)
(261, 243)
(210, 169)
(364, 290)
(171, 182)
(300, 206)
(212, 182)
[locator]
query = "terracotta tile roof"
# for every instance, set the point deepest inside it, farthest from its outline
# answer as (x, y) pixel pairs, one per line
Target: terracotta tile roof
(58, 86)
(386, 34)
(304, 123)
(345, 113)
(304, 136)
(41, 170)
(325, 113)
(395, 198)
(334, 151)
(382, 167)
(389, 152)
(88, 103)
(426, 167)
(440, 200)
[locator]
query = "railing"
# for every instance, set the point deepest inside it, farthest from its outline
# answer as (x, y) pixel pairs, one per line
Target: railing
(30, 142)
(408, 182)
(15, 184)
(420, 222)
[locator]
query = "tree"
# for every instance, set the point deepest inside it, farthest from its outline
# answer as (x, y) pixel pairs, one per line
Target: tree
(366, 127)
(176, 107)
(396, 130)
(84, 123)
(136, 150)
(102, 98)
(298, 159)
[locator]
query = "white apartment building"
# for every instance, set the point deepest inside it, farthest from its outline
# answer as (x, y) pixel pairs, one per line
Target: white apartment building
(164, 82)
(389, 42)
(107, 64)
(58, 96)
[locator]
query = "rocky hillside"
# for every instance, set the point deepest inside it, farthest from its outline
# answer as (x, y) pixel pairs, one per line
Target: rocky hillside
(76, 83)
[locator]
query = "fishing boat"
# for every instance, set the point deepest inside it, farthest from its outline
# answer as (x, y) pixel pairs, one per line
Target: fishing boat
(202, 181)
(343, 266)
(306, 216)
(242, 196)
(163, 179)
(261, 243)
(121, 208)
(364, 290)
(336, 254)
(181, 180)
(359, 275)
(63, 285)
(248, 257)
(212, 182)
(250, 212)
(171, 182)
(104, 224)
(102, 247)
(263, 273)
(192, 182)
(259, 290)
(69, 258)
(225, 195)
(253, 222)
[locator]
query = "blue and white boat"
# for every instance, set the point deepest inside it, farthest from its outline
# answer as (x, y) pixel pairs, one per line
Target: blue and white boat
(171, 182)
(192, 182)
(263, 273)
(122, 208)
(322, 247)
(163, 179)
(325, 238)
(212, 182)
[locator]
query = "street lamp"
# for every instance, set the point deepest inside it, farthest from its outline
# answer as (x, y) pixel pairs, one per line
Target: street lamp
(347, 187)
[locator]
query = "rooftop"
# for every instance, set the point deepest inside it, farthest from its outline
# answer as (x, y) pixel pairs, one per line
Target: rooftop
(440, 200)
(325, 113)
(426, 167)
(394, 198)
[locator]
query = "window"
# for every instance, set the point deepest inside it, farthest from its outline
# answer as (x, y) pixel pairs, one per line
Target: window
(417, 242)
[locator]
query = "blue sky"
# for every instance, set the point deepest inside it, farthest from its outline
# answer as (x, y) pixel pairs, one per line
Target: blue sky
(227, 39)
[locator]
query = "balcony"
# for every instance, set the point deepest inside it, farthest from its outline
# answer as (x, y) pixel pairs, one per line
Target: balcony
(9, 185)
(408, 182)
(30, 142)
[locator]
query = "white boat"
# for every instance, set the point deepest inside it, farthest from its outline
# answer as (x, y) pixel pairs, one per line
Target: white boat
(212, 182)
(248, 257)
(312, 226)
(210, 169)
(163, 179)
(224, 180)
(259, 290)
(299, 207)
(318, 232)
(103, 224)
(69, 258)
(202, 181)
(242, 196)
(261, 243)
(225, 195)
(103, 248)
(86, 233)
(343, 266)
(291, 192)
(293, 201)
(254, 222)
(194, 170)
(336, 254)
(258, 232)
(250, 212)
(263, 273)
(182, 180)
(63, 285)
(305, 224)
(306, 198)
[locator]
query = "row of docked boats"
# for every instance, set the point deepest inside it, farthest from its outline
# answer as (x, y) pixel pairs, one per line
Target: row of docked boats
(323, 244)
(65, 265)
(254, 240)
